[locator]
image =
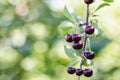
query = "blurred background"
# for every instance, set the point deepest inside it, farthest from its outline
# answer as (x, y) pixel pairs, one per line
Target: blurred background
(32, 49)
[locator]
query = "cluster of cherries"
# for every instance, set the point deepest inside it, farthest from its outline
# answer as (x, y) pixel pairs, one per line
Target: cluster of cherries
(75, 38)
(87, 71)
(77, 45)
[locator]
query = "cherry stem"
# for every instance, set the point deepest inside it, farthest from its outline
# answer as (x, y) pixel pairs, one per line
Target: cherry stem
(85, 38)
(79, 78)
(87, 15)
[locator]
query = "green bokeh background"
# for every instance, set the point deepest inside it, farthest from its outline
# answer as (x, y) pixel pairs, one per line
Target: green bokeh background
(32, 49)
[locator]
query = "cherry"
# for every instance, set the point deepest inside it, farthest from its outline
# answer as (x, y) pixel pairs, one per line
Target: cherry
(76, 37)
(88, 1)
(87, 72)
(68, 38)
(77, 45)
(71, 70)
(89, 54)
(89, 30)
(79, 72)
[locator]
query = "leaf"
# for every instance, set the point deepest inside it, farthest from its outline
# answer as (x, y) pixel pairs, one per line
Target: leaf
(65, 27)
(108, 0)
(94, 23)
(101, 6)
(78, 52)
(98, 32)
(81, 19)
(87, 62)
(74, 61)
(69, 13)
(69, 52)
(63, 33)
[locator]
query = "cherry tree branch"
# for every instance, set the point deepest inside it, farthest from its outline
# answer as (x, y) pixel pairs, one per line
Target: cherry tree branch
(85, 37)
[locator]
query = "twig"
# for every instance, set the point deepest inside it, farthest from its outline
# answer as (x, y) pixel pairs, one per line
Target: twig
(85, 38)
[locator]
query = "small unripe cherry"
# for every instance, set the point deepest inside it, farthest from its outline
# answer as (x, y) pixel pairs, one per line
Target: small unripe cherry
(68, 38)
(79, 72)
(89, 54)
(88, 72)
(76, 37)
(89, 29)
(88, 1)
(77, 45)
(71, 70)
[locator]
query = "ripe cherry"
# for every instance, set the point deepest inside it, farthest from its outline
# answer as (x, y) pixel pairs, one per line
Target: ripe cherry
(87, 72)
(76, 37)
(77, 45)
(88, 1)
(71, 70)
(79, 72)
(89, 54)
(68, 38)
(89, 30)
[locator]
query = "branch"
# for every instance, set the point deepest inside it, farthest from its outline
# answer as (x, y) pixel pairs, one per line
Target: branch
(85, 39)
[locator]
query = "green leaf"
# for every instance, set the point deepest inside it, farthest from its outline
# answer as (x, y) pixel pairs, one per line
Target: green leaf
(81, 19)
(98, 32)
(88, 44)
(65, 27)
(69, 13)
(69, 52)
(74, 61)
(94, 23)
(108, 0)
(78, 52)
(87, 62)
(101, 6)
(63, 33)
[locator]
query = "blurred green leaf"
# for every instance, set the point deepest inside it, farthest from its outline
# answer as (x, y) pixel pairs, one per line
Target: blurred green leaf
(98, 32)
(101, 6)
(78, 52)
(66, 25)
(87, 62)
(69, 13)
(108, 0)
(94, 22)
(81, 19)
(69, 52)
(74, 61)
(63, 33)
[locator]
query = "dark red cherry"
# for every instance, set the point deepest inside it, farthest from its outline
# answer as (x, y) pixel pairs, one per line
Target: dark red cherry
(89, 54)
(76, 37)
(88, 1)
(71, 70)
(77, 45)
(68, 38)
(79, 72)
(89, 30)
(88, 72)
